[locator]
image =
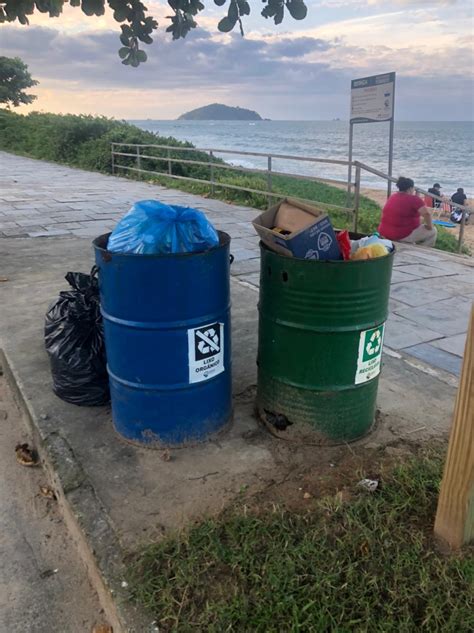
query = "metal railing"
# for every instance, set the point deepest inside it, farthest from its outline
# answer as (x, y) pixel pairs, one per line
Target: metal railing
(138, 152)
(214, 164)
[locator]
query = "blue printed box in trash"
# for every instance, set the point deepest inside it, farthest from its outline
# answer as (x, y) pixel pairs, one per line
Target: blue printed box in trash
(318, 241)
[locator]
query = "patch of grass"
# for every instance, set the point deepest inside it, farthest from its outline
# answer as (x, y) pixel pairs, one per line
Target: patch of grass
(447, 241)
(85, 141)
(368, 565)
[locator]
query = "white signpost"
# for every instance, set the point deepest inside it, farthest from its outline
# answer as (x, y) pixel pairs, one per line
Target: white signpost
(373, 100)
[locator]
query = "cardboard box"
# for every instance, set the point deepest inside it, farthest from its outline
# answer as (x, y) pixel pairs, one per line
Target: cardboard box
(314, 237)
(291, 218)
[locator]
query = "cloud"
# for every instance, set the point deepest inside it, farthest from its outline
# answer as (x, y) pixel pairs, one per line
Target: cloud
(91, 58)
(290, 75)
(299, 47)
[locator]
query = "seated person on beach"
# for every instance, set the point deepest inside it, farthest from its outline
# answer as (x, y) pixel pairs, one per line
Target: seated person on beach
(456, 213)
(401, 217)
(436, 191)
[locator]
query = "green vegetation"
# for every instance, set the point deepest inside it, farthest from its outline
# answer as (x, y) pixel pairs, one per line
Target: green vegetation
(368, 565)
(84, 141)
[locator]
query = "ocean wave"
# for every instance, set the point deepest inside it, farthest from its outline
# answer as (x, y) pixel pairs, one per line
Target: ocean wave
(240, 162)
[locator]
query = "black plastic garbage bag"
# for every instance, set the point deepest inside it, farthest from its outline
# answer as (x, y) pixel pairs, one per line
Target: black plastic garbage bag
(74, 341)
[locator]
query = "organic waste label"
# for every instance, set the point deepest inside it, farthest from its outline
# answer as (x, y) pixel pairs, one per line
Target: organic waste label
(206, 352)
(369, 358)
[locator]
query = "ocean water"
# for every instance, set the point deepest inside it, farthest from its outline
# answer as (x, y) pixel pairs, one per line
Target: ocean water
(428, 152)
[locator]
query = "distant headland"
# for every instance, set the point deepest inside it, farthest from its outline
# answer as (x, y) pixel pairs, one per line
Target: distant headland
(220, 112)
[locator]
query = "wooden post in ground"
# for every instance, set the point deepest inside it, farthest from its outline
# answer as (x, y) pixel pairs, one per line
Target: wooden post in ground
(455, 515)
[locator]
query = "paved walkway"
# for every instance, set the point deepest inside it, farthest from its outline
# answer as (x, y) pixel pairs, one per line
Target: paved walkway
(432, 291)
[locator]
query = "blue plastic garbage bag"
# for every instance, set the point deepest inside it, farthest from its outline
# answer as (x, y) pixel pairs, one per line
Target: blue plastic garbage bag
(154, 228)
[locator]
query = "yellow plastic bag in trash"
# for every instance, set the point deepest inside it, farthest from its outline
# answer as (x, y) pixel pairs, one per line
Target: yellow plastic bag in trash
(370, 252)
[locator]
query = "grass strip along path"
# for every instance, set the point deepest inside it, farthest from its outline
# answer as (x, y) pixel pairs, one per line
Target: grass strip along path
(367, 564)
(84, 141)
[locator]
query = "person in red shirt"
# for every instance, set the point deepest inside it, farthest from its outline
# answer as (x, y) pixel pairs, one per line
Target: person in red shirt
(401, 217)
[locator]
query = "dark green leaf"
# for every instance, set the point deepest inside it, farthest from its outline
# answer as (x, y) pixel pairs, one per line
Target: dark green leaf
(124, 51)
(127, 30)
(121, 14)
(297, 9)
(220, 3)
(141, 56)
(278, 19)
(233, 13)
(146, 39)
(225, 25)
(244, 7)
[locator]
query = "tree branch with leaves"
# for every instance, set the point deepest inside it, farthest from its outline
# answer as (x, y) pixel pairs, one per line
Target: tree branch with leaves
(137, 26)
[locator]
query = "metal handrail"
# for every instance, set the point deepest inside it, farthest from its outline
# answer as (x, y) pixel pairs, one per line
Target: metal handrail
(251, 170)
(214, 164)
(310, 159)
(262, 192)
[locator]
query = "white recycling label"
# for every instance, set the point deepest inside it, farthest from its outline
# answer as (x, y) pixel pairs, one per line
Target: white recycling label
(369, 358)
(205, 352)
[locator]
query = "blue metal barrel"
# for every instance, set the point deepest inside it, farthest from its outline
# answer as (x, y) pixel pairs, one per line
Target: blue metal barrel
(168, 342)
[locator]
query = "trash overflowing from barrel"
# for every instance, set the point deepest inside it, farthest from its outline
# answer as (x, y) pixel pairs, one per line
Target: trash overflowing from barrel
(296, 229)
(154, 228)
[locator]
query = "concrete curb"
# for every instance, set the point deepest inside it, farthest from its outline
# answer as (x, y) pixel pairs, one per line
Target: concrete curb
(84, 515)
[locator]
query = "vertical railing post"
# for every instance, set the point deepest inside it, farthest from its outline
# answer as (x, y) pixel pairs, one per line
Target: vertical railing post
(113, 158)
(139, 158)
(170, 171)
(356, 198)
(349, 166)
(461, 231)
(269, 181)
(211, 161)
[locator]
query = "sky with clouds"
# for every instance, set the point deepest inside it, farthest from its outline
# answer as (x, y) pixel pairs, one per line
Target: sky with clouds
(297, 70)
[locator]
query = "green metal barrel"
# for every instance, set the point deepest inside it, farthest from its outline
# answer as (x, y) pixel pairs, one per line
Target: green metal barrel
(321, 328)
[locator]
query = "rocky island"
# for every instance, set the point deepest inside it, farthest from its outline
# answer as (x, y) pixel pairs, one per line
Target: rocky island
(220, 112)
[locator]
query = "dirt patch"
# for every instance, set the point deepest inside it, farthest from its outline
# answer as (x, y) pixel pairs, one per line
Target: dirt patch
(304, 473)
(327, 473)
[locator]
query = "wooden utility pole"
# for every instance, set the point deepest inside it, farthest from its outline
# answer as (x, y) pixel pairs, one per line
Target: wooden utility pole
(455, 515)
